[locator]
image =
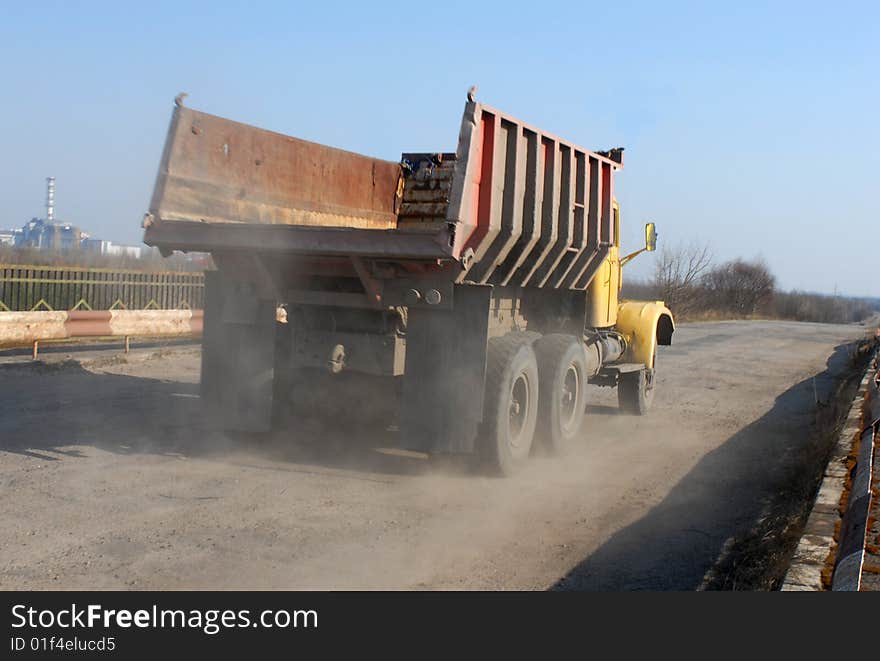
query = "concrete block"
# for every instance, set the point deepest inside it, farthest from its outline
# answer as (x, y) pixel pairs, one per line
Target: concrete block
(805, 574)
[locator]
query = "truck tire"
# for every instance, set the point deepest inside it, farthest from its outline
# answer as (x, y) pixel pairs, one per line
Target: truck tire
(562, 369)
(635, 391)
(510, 404)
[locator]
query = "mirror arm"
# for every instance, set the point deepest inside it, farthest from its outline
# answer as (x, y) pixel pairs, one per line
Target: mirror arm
(628, 258)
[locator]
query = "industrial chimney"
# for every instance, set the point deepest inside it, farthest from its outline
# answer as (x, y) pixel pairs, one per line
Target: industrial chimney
(50, 200)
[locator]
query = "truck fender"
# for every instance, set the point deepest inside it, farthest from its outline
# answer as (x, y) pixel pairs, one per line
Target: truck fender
(644, 324)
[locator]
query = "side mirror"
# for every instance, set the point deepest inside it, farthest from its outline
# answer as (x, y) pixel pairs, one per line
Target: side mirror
(650, 237)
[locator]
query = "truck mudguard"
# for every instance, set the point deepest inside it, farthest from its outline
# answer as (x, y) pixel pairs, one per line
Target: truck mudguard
(644, 324)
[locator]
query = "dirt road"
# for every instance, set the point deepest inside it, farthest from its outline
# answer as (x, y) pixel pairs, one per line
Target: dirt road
(109, 480)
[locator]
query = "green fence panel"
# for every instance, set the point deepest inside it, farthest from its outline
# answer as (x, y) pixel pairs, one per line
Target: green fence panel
(63, 288)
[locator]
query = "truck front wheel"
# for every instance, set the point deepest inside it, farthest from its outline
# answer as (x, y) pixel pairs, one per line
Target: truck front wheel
(563, 370)
(510, 405)
(635, 391)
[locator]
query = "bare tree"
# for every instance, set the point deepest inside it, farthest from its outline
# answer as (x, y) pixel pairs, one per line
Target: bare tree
(804, 306)
(686, 280)
(739, 286)
(677, 275)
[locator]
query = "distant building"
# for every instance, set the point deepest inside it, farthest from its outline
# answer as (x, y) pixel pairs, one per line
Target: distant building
(9, 237)
(29, 234)
(100, 246)
(38, 234)
(47, 234)
(42, 235)
(104, 247)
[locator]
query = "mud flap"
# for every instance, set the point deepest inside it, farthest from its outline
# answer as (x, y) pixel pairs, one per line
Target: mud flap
(238, 356)
(442, 403)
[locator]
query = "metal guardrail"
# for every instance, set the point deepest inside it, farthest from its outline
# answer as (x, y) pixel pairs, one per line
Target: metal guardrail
(27, 288)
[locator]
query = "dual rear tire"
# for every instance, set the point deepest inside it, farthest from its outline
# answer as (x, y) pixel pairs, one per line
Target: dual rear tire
(529, 384)
(562, 367)
(510, 404)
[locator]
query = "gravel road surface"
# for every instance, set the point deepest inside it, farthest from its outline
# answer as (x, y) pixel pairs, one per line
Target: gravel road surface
(109, 479)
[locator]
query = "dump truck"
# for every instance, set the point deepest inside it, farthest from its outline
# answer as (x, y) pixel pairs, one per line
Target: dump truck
(475, 292)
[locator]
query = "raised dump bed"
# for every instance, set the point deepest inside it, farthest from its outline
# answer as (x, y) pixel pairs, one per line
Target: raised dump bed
(513, 205)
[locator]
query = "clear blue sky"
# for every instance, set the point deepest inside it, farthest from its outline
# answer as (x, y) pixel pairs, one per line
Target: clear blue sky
(752, 126)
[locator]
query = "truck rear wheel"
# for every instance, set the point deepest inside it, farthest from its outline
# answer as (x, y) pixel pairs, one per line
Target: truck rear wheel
(562, 368)
(635, 391)
(510, 409)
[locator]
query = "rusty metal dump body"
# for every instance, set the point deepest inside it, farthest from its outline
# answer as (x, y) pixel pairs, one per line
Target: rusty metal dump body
(514, 205)
(218, 171)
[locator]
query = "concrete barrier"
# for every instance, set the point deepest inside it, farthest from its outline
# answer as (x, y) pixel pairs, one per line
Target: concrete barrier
(30, 328)
(829, 541)
(851, 548)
